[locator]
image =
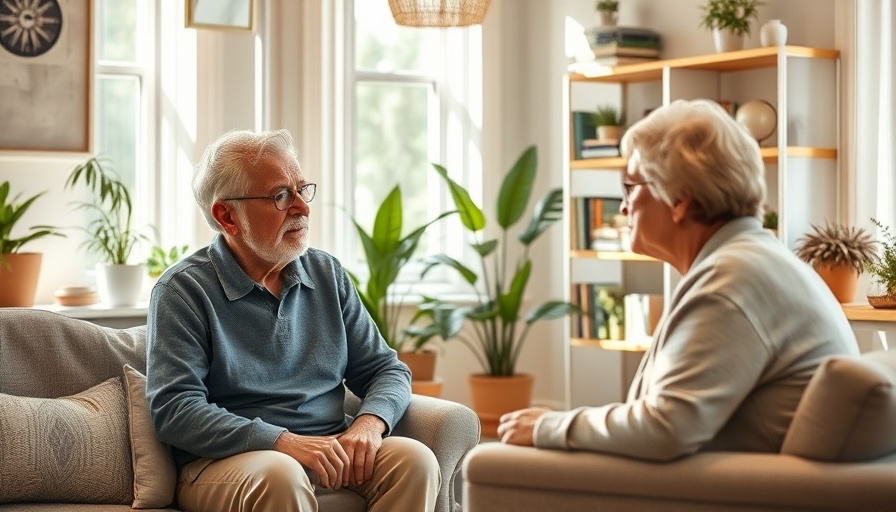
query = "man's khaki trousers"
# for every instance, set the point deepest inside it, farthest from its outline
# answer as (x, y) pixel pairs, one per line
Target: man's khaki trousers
(406, 478)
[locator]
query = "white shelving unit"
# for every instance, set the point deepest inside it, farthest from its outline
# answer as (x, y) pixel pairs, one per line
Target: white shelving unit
(801, 157)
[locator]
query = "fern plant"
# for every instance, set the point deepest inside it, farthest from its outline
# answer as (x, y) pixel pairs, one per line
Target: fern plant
(883, 266)
(835, 244)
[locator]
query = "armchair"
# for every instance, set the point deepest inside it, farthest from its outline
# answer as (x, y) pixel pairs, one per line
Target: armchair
(839, 454)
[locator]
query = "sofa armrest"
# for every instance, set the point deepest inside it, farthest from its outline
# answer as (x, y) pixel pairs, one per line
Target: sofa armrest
(500, 477)
(449, 429)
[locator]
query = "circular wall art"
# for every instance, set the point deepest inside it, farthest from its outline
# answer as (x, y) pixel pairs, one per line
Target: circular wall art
(759, 117)
(29, 28)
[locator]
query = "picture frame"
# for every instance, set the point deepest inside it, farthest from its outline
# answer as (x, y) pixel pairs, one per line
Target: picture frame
(221, 14)
(46, 87)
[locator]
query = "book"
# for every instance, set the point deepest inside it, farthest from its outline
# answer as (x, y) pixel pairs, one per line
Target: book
(600, 152)
(617, 33)
(582, 128)
(592, 143)
(618, 60)
(622, 51)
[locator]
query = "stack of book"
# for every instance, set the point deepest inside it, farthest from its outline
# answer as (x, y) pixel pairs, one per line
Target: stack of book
(600, 148)
(615, 46)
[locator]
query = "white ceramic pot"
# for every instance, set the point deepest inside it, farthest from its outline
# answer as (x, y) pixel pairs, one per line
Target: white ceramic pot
(773, 33)
(119, 285)
(727, 41)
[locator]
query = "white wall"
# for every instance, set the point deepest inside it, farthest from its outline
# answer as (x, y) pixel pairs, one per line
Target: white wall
(525, 64)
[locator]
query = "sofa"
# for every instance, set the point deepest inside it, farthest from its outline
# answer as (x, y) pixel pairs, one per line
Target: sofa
(75, 433)
(839, 454)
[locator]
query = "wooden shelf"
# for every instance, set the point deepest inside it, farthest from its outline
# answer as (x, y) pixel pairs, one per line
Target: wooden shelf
(621, 345)
(866, 313)
(586, 254)
(769, 156)
(753, 58)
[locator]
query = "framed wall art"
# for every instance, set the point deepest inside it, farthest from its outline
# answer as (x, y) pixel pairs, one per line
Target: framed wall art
(221, 14)
(46, 80)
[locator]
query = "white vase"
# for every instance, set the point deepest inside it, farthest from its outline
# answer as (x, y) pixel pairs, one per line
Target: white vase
(727, 41)
(773, 33)
(119, 285)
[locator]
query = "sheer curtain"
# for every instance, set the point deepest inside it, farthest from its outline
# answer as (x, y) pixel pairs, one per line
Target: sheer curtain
(875, 114)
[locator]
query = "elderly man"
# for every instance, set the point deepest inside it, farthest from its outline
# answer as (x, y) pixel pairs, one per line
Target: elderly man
(251, 343)
(740, 339)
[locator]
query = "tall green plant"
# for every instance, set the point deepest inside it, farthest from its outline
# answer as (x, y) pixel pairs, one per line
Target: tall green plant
(110, 234)
(497, 335)
(386, 253)
(11, 211)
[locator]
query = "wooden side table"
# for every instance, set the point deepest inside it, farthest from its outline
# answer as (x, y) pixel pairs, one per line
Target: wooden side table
(863, 317)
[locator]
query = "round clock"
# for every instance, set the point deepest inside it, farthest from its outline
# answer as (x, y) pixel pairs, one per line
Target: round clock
(29, 28)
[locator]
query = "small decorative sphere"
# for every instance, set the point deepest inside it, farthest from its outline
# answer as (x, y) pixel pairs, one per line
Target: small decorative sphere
(759, 117)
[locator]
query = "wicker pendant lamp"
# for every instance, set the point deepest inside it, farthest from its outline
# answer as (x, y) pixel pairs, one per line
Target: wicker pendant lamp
(438, 13)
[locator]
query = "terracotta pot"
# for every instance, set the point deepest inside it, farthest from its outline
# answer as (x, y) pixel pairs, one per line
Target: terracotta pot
(422, 364)
(843, 280)
(18, 283)
(431, 388)
(609, 132)
(496, 396)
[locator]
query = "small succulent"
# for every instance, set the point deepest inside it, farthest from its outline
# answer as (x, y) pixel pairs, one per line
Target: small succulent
(607, 115)
(883, 268)
(606, 6)
(836, 244)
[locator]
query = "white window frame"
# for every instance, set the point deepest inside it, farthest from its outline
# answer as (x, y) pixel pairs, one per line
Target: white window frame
(144, 72)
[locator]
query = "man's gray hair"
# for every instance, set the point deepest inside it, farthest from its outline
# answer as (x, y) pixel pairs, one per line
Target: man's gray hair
(221, 171)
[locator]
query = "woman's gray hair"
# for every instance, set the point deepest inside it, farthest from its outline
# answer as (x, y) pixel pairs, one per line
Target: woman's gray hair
(698, 147)
(221, 171)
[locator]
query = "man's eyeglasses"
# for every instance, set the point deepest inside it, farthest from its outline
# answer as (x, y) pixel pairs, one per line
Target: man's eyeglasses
(285, 197)
(628, 187)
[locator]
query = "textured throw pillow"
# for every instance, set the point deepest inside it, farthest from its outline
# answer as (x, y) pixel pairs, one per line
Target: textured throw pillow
(155, 475)
(71, 449)
(848, 412)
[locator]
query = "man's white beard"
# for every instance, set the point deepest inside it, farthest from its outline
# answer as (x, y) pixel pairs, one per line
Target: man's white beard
(279, 251)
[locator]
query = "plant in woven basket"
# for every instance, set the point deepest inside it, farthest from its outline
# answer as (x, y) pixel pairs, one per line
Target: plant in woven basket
(836, 245)
(883, 266)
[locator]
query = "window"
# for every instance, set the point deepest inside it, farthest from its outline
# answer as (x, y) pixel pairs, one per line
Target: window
(122, 88)
(413, 97)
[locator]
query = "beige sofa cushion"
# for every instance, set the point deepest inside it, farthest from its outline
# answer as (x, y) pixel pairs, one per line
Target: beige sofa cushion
(848, 412)
(70, 449)
(155, 475)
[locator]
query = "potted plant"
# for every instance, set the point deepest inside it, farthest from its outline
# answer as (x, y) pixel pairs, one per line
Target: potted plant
(160, 259)
(19, 271)
(109, 232)
(609, 121)
(770, 221)
(729, 21)
(386, 252)
(839, 254)
(496, 332)
(883, 270)
(608, 11)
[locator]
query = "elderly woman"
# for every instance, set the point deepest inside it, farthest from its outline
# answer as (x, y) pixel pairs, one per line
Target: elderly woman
(747, 325)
